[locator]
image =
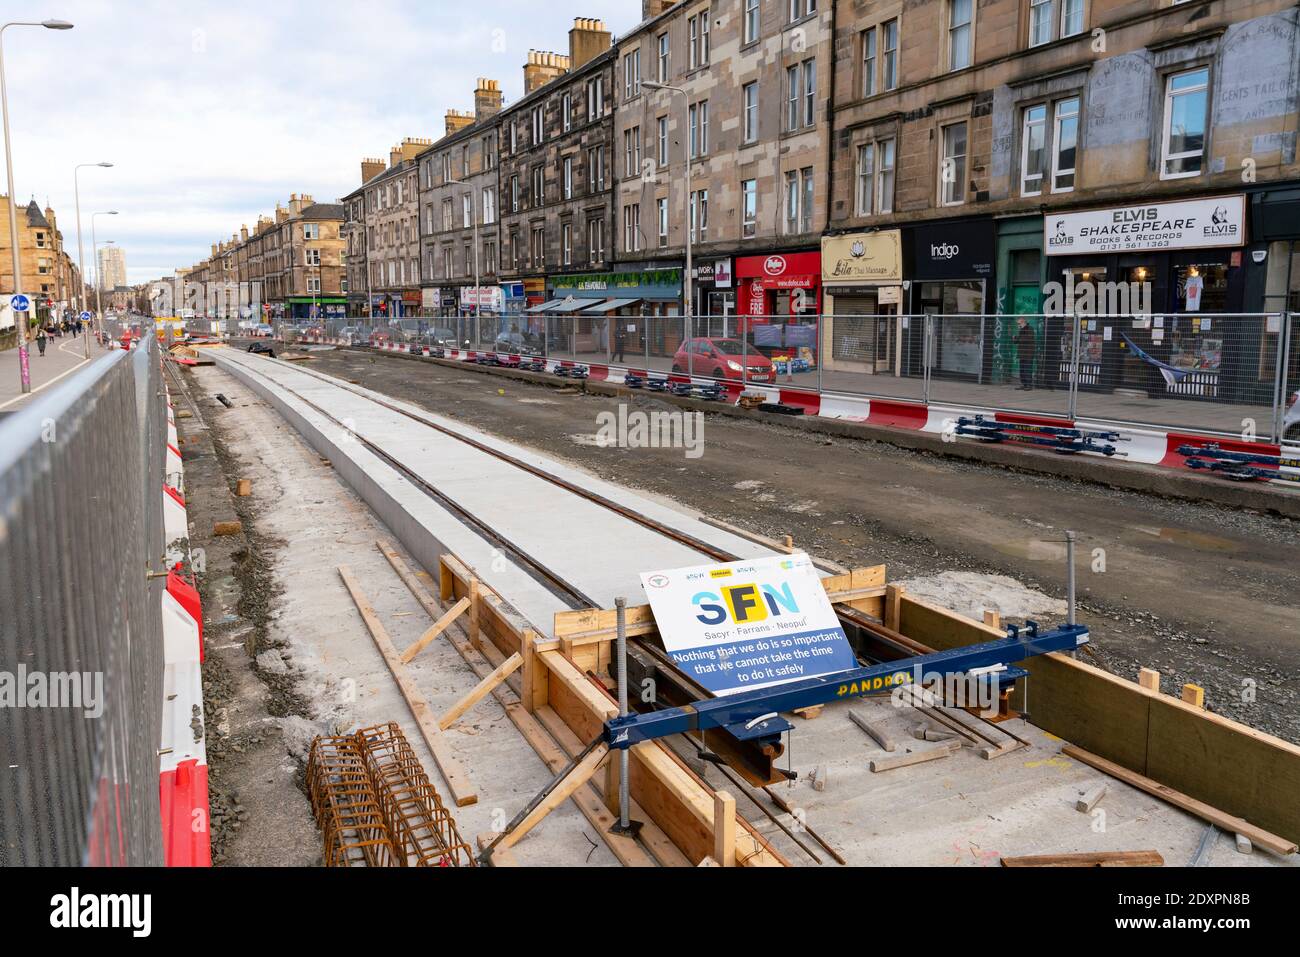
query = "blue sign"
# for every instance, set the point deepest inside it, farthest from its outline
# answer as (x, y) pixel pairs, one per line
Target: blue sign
(86, 317)
(21, 303)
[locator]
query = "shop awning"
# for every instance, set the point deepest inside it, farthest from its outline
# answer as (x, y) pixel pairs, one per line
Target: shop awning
(547, 306)
(570, 305)
(611, 305)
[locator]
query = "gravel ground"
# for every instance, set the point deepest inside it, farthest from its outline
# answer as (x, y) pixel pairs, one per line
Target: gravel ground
(1203, 593)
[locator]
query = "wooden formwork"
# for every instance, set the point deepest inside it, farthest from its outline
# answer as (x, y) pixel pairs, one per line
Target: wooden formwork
(552, 688)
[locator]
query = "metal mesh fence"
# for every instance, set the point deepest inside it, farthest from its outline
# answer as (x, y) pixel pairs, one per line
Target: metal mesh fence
(81, 629)
(1288, 411)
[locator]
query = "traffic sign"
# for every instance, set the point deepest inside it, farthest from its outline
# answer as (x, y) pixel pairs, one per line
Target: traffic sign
(86, 317)
(21, 303)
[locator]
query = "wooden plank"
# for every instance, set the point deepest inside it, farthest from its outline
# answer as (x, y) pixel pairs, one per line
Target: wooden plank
(575, 779)
(1213, 815)
(876, 733)
(458, 783)
(500, 856)
(724, 829)
(628, 852)
(1194, 695)
(1149, 680)
(1096, 859)
(481, 691)
(441, 625)
(1242, 771)
(939, 628)
(945, 750)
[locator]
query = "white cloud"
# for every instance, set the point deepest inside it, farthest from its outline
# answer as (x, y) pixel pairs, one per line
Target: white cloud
(213, 112)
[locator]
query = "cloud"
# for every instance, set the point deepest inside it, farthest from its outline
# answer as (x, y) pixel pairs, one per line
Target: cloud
(215, 111)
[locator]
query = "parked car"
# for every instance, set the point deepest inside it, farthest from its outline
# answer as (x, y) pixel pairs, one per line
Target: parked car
(351, 334)
(723, 359)
(262, 349)
(514, 343)
(263, 330)
(438, 338)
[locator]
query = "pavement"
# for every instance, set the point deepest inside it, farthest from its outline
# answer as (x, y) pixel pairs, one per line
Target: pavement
(62, 358)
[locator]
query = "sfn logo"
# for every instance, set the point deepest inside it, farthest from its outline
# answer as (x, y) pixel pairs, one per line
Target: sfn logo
(745, 604)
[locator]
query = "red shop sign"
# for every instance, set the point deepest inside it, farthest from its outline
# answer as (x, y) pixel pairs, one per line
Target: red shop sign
(782, 270)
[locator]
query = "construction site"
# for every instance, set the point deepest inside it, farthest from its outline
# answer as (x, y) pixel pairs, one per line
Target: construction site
(377, 567)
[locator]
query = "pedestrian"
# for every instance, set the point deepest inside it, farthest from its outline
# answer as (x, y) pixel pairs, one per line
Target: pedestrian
(41, 339)
(620, 340)
(1026, 351)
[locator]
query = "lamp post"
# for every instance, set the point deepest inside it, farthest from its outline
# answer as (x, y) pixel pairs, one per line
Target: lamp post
(688, 287)
(24, 370)
(99, 279)
(81, 246)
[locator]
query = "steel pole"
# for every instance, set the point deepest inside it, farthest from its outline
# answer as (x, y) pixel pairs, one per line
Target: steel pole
(20, 326)
(624, 791)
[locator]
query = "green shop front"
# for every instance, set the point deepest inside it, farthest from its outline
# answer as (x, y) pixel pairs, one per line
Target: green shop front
(317, 307)
(601, 317)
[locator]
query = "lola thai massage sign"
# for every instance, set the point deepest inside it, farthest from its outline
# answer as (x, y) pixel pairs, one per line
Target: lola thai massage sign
(750, 624)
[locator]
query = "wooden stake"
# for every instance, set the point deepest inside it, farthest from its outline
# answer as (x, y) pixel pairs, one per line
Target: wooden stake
(473, 614)
(438, 628)
(458, 783)
(575, 779)
(534, 687)
(1194, 695)
(724, 829)
(1149, 679)
(244, 488)
(483, 689)
(894, 606)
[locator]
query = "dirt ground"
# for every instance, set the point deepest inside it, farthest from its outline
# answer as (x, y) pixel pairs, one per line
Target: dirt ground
(1203, 593)
(289, 658)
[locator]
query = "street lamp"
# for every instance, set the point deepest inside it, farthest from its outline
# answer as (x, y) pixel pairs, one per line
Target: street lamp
(81, 247)
(99, 279)
(689, 279)
(23, 370)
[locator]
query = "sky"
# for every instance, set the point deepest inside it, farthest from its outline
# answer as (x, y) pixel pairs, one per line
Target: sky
(213, 112)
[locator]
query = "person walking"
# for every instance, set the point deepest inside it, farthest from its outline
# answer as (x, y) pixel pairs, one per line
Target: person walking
(620, 339)
(42, 338)
(1026, 352)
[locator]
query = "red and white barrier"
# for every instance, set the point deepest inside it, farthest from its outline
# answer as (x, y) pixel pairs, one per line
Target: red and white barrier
(1149, 446)
(183, 776)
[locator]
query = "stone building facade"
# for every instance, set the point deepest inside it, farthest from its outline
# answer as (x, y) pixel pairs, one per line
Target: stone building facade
(751, 119)
(557, 168)
(460, 210)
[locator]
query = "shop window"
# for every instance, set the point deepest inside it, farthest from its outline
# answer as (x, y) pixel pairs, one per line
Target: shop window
(1183, 142)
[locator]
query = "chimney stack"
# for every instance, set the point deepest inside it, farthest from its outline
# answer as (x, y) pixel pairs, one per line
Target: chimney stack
(543, 67)
(297, 204)
(413, 146)
(652, 8)
(281, 214)
(587, 40)
(243, 234)
(487, 99)
(457, 121)
(370, 168)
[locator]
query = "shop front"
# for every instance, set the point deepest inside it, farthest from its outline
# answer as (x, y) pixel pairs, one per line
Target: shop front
(1155, 284)
(715, 293)
(778, 300)
(316, 307)
(862, 292)
(599, 316)
(951, 278)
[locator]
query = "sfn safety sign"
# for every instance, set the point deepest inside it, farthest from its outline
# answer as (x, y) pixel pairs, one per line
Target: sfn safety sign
(748, 625)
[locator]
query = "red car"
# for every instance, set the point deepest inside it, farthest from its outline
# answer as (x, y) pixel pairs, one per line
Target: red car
(723, 359)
